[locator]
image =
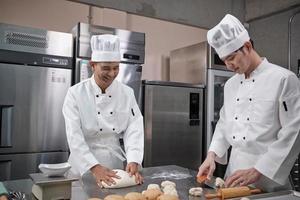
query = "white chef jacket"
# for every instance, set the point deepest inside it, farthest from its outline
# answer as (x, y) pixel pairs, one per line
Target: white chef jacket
(94, 121)
(260, 119)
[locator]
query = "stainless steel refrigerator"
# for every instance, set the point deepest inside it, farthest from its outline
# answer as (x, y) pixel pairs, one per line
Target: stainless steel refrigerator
(200, 64)
(35, 74)
(173, 115)
(132, 46)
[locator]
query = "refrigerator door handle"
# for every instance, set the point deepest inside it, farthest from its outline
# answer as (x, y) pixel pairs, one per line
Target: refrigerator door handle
(6, 114)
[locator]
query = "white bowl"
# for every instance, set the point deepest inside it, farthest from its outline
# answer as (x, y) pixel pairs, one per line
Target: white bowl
(58, 169)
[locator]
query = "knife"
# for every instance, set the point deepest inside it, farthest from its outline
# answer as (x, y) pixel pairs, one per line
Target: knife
(210, 183)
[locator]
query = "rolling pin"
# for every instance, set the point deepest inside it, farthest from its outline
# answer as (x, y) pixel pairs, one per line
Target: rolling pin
(225, 193)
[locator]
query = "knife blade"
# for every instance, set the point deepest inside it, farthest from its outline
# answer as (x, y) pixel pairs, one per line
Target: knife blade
(211, 183)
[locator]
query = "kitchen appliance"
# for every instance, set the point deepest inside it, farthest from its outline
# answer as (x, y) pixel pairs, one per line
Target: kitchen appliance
(293, 61)
(35, 74)
(173, 115)
(200, 64)
(132, 46)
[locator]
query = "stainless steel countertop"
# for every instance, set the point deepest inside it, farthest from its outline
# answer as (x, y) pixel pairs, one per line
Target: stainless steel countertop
(183, 177)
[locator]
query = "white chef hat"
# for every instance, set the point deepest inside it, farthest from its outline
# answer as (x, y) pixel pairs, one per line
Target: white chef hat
(105, 48)
(227, 36)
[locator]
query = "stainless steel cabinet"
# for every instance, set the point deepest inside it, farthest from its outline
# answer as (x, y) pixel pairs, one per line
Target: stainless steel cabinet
(173, 115)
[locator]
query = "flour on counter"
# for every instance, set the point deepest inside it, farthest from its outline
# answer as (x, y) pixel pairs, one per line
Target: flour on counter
(170, 175)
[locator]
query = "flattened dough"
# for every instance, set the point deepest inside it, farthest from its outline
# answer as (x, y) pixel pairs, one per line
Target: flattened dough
(134, 196)
(196, 191)
(124, 181)
(114, 197)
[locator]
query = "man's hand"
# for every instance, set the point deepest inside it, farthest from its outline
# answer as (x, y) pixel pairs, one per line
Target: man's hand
(243, 177)
(133, 169)
(102, 173)
(208, 166)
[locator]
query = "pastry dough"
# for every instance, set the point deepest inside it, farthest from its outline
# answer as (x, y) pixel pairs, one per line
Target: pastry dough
(124, 181)
(167, 197)
(165, 183)
(134, 196)
(114, 197)
(170, 189)
(153, 186)
(152, 194)
(196, 191)
(219, 183)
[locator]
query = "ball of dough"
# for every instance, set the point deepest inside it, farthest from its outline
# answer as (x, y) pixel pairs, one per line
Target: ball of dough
(134, 196)
(152, 194)
(196, 191)
(114, 197)
(153, 186)
(94, 198)
(124, 181)
(170, 189)
(220, 183)
(167, 197)
(171, 192)
(165, 183)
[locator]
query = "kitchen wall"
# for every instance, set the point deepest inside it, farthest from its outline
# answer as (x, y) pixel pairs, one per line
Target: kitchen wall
(199, 13)
(61, 15)
(270, 35)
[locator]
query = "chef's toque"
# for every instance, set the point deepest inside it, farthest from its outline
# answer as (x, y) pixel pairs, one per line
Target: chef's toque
(105, 48)
(227, 36)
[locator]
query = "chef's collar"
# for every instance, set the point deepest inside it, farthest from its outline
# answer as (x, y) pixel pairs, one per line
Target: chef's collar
(97, 89)
(261, 67)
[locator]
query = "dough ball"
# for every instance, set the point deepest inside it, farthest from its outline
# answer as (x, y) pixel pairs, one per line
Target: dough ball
(94, 198)
(167, 197)
(245, 198)
(170, 189)
(152, 194)
(196, 191)
(171, 192)
(153, 186)
(114, 197)
(220, 183)
(134, 196)
(124, 181)
(165, 183)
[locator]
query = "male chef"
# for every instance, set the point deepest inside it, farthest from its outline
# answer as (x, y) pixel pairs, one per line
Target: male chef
(260, 118)
(97, 111)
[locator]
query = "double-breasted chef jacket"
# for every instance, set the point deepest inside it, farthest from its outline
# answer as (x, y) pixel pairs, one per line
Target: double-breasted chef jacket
(94, 123)
(260, 119)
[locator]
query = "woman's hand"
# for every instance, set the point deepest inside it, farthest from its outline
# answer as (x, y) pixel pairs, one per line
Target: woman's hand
(133, 169)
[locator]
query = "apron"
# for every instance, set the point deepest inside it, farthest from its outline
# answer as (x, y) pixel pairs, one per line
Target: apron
(107, 151)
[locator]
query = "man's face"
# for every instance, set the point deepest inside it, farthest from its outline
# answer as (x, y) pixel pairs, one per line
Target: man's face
(238, 61)
(105, 72)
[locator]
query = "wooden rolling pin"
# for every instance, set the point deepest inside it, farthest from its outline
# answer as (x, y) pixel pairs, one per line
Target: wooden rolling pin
(225, 193)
